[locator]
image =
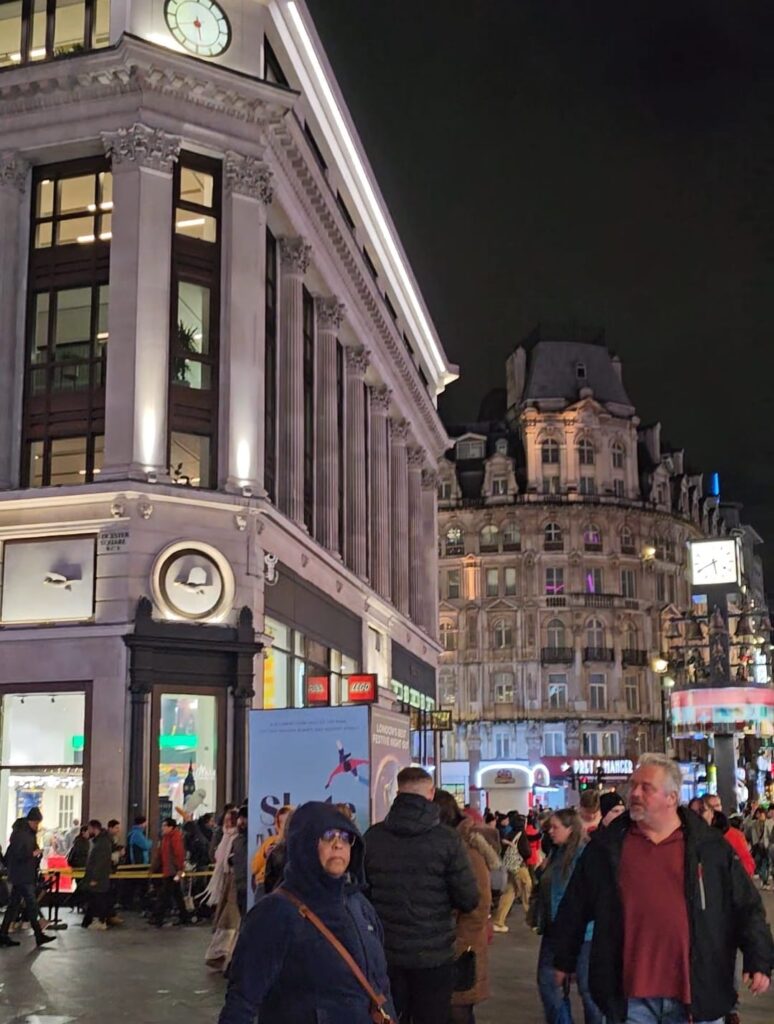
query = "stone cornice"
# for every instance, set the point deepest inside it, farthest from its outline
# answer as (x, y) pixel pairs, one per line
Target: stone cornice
(248, 176)
(321, 208)
(13, 171)
(148, 147)
(137, 66)
(330, 312)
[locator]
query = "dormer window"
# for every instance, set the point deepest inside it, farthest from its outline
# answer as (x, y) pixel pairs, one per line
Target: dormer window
(445, 490)
(469, 449)
(580, 371)
(500, 487)
(501, 446)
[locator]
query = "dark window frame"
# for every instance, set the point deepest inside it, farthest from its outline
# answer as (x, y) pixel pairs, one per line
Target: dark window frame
(270, 371)
(308, 373)
(26, 33)
(272, 64)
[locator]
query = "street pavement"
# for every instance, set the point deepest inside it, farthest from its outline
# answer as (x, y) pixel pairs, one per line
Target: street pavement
(140, 974)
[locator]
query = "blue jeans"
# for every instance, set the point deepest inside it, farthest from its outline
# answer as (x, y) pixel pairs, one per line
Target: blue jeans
(551, 994)
(660, 1011)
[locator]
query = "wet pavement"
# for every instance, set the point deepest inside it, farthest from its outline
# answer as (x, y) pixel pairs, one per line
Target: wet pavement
(140, 974)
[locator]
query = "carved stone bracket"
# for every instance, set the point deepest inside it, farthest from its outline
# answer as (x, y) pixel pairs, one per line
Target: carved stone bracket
(248, 176)
(148, 147)
(13, 171)
(295, 255)
(358, 361)
(330, 312)
(381, 398)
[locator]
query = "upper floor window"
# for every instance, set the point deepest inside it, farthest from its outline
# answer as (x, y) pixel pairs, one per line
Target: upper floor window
(557, 691)
(619, 488)
(500, 486)
(502, 745)
(585, 452)
(631, 638)
(511, 586)
(503, 688)
(448, 635)
(454, 544)
(619, 455)
(632, 694)
(33, 30)
(453, 584)
(628, 583)
(627, 541)
(552, 537)
(492, 583)
(444, 490)
(595, 634)
(501, 446)
(556, 634)
(587, 485)
(597, 693)
(503, 634)
(554, 581)
(489, 538)
(580, 371)
(592, 538)
(73, 209)
(511, 537)
(553, 743)
(549, 452)
(470, 449)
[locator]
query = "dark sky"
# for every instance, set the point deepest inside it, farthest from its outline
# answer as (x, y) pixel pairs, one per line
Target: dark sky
(607, 162)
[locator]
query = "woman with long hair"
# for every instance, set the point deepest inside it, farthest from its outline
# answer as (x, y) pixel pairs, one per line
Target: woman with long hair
(221, 893)
(553, 876)
(471, 928)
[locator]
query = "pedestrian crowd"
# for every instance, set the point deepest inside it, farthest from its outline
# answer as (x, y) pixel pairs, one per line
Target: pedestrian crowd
(652, 909)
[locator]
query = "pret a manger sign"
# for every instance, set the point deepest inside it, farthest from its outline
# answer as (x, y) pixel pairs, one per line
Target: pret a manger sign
(621, 766)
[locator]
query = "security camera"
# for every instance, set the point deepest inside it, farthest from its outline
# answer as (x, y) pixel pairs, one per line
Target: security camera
(270, 575)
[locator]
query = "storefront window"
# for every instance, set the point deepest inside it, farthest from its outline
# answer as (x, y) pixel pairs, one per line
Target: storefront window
(188, 753)
(293, 661)
(41, 762)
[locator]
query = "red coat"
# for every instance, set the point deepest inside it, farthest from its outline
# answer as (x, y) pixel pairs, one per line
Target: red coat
(172, 853)
(736, 840)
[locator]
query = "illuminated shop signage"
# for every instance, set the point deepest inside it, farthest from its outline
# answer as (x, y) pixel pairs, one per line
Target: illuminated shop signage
(609, 766)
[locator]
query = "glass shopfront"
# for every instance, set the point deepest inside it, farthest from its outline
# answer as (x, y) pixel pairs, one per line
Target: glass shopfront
(301, 672)
(42, 746)
(188, 742)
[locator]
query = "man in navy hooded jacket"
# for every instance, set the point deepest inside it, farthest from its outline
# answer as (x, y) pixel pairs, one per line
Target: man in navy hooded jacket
(283, 968)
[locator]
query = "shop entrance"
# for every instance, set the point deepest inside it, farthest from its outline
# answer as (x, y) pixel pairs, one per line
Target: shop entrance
(188, 761)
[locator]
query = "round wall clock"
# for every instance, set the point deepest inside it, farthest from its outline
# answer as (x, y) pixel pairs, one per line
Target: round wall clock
(200, 26)
(193, 581)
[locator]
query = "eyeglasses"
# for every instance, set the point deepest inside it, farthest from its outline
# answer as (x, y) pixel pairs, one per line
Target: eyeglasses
(330, 835)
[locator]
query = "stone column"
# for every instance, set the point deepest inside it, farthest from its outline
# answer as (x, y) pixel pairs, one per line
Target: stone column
(416, 460)
(248, 191)
(138, 316)
(295, 256)
(330, 316)
(430, 538)
(400, 515)
(13, 181)
(355, 541)
(380, 491)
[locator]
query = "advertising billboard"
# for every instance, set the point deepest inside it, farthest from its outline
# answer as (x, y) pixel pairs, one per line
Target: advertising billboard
(390, 751)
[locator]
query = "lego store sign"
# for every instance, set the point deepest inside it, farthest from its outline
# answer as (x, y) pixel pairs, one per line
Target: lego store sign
(361, 689)
(317, 689)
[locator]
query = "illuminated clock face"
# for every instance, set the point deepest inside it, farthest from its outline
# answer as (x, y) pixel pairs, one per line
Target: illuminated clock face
(714, 562)
(200, 26)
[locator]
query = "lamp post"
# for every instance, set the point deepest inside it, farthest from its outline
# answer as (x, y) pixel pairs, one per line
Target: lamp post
(661, 667)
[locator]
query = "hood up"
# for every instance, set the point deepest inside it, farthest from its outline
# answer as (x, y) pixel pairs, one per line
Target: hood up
(304, 874)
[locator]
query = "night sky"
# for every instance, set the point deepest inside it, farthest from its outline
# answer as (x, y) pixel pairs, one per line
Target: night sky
(604, 162)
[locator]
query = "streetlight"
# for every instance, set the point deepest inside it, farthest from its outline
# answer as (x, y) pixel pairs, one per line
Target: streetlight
(661, 666)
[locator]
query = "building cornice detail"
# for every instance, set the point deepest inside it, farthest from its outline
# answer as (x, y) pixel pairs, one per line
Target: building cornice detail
(248, 176)
(147, 147)
(13, 171)
(295, 255)
(330, 312)
(321, 209)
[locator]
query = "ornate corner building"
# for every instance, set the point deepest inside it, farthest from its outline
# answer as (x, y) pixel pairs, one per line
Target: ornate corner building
(563, 524)
(218, 384)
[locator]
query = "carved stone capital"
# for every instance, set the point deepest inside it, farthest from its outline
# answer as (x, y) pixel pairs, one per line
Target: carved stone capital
(295, 255)
(399, 431)
(380, 400)
(148, 147)
(13, 171)
(429, 480)
(248, 176)
(330, 312)
(416, 458)
(358, 361)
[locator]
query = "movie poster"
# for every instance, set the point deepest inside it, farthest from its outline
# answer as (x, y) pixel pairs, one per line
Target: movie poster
(390, 751)
(301, 754)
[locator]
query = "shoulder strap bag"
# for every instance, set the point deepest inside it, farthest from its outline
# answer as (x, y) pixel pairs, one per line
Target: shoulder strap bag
(378, 1014)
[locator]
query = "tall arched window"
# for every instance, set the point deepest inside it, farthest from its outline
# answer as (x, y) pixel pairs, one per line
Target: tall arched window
(454, 544)
(511, 537)
(631, 639)
(555, 634)
(627, 541)
(595, 634)
(619, 455)
(549, 452)
(503, 634)
(448, 635)
(552, 537)
(489, 538)
(585, 452)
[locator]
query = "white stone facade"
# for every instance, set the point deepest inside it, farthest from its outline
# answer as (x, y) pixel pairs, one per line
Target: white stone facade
(359, 528)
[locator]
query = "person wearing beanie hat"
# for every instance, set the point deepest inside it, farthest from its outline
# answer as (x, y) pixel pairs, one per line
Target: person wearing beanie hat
(610, 806)
(22, 858)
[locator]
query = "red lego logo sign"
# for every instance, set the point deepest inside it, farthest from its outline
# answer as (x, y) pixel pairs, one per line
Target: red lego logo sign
(361, 689)
(317, 690)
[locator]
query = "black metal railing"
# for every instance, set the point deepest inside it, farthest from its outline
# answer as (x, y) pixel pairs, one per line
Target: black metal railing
(598, 654)
(557, 655)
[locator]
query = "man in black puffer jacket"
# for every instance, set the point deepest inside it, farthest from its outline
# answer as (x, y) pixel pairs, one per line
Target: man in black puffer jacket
(22, 859)
(418, 874)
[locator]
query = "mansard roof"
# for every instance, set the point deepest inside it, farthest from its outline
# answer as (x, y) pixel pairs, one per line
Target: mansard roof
(552, 372)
